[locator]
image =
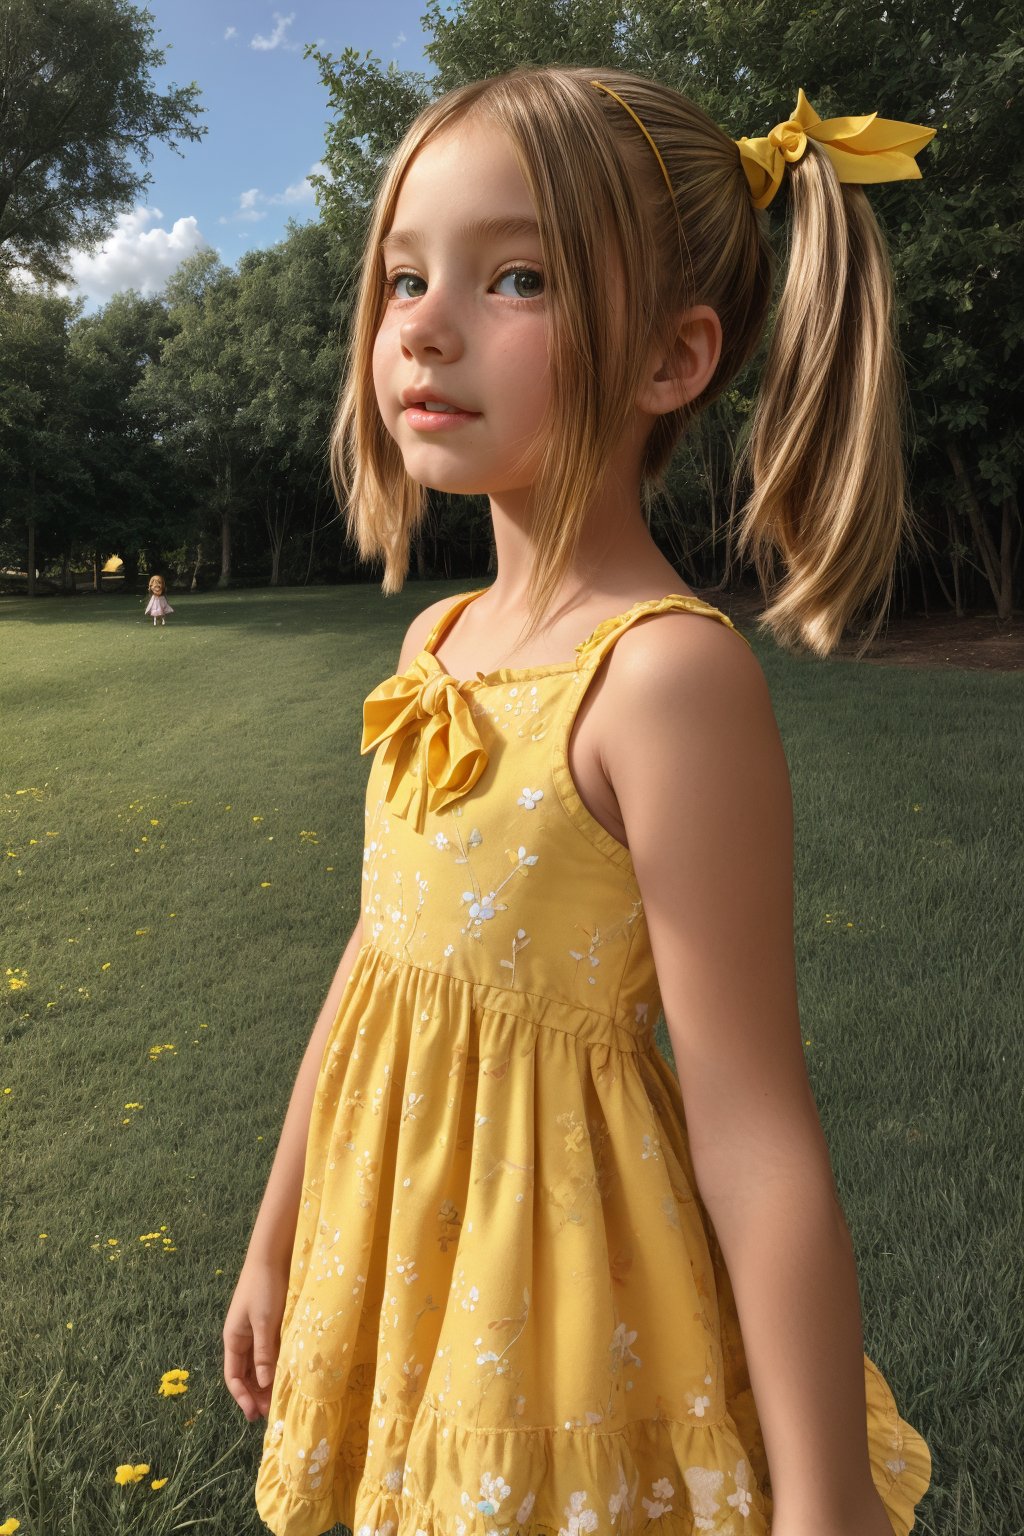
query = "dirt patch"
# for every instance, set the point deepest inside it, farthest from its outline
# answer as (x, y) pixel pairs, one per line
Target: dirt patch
(978, 642)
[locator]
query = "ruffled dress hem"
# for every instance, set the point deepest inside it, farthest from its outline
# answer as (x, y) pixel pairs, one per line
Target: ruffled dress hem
(708, 1491)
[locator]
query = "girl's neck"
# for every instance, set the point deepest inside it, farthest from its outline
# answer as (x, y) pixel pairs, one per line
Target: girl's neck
(617, 558)
(618, 565)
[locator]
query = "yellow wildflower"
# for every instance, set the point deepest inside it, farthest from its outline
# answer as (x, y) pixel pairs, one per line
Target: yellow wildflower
(172, 1383)
(126, 1473)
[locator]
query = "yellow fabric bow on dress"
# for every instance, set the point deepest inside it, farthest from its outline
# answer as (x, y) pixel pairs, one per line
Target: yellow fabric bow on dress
(434, 751)
(862, 149)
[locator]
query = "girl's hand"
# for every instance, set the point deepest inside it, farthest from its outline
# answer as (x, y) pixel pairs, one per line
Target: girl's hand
(252, 1335)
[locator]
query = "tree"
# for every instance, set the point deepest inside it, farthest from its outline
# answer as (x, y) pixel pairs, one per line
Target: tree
(135, 492)
(289, 304)
(42, 474)
(195, 394)
(76, 101)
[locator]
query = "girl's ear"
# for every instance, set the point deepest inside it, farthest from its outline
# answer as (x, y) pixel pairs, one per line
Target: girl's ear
(678, 373)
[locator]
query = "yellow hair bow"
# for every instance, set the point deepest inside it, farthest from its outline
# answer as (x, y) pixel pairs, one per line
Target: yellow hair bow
(862, 149)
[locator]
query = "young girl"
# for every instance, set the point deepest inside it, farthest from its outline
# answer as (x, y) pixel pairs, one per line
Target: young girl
(158, 605)
(510, 1276)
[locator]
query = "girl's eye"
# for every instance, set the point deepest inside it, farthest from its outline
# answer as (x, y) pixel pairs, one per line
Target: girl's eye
(392, 285)
(529, 283)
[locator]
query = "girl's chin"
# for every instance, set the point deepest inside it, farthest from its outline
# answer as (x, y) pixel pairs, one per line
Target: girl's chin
(451, 485)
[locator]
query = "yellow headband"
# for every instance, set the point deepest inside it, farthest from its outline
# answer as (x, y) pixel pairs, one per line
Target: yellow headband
(643, 130)
(862, 149)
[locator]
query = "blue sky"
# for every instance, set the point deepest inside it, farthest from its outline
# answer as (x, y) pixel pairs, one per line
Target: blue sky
(265, 114)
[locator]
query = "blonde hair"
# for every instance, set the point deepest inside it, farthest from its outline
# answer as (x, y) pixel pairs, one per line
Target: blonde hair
(824, 449)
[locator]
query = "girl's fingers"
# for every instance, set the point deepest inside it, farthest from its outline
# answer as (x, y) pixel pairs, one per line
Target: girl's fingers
(238, 1374)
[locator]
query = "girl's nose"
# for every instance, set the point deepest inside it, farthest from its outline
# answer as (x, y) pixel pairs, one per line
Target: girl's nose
(430, 330)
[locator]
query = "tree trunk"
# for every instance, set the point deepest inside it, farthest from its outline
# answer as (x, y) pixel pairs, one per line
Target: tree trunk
(277, 527)
(1011, 515)
(224, 579)
(420, 554)
(950, 597)
(312, 546)
(199, 561)
(32, 538)
(997, 564)
(97, 572)
(954, 550)
(67, 576)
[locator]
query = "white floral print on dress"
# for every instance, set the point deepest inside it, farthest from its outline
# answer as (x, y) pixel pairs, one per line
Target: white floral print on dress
(704, 1483)
(741, 1499)
(662, 1490)
(530, 797)
(579, 1519)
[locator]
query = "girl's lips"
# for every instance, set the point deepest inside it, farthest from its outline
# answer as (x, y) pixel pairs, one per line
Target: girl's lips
(434, 421)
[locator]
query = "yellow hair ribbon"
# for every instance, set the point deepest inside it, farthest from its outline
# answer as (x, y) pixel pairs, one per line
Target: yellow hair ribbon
(862, 149)
(643, 130)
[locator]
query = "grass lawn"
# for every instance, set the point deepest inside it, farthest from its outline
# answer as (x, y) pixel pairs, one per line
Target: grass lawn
(179, 870)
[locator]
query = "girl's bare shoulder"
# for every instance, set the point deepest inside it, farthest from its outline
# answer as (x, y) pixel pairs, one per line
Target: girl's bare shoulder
(419, 630)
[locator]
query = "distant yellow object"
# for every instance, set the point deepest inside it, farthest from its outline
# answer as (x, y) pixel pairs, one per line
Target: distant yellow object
(113, 564)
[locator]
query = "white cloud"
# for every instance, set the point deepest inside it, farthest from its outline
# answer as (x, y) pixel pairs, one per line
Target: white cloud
(253, 204)
(135, 256)
(230, 33)
(300, 191)
(277, 38)
(399, 40)
(247, 211)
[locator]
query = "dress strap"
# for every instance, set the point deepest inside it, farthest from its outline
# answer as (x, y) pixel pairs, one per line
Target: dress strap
(437, 634)
(591, 652)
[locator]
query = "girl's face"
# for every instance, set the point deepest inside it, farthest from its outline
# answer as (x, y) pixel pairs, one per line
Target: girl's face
(466, 319)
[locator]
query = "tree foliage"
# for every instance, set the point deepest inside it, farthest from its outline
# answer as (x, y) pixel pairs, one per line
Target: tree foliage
(77, 102)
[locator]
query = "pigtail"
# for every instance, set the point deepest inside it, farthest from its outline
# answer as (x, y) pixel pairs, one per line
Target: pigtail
(825, 448)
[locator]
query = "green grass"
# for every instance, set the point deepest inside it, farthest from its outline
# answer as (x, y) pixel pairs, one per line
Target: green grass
(133, 765)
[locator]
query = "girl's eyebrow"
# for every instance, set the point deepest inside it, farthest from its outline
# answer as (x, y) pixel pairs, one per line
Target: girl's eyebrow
(494, 229)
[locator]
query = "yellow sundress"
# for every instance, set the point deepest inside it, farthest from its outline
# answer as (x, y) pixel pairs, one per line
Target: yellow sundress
(507, 1312)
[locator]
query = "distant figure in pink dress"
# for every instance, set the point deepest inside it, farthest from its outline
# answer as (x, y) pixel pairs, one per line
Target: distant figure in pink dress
(158, 604)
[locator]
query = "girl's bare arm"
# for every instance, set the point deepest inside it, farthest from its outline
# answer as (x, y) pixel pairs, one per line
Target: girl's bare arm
(274, 1230)
(695, 759)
